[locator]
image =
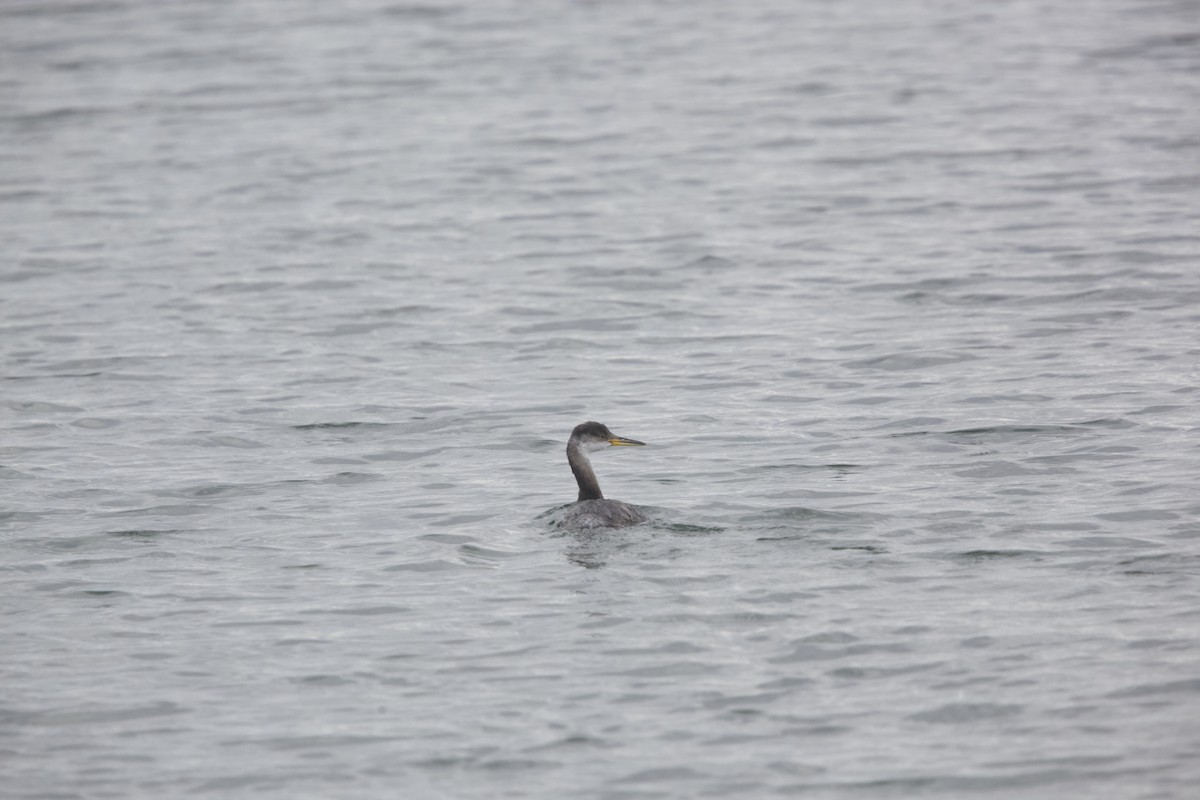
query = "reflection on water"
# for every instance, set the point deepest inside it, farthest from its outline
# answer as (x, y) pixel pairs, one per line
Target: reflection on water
(300, 304)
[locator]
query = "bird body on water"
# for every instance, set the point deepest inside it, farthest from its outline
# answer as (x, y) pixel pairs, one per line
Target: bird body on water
(593, 509)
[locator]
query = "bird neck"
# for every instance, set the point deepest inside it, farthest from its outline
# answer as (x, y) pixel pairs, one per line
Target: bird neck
(581, 465)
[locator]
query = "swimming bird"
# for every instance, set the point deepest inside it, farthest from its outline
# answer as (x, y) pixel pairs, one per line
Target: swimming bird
(593, 509)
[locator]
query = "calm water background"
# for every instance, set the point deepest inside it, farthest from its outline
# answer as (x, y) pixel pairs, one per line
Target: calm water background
(300, 300)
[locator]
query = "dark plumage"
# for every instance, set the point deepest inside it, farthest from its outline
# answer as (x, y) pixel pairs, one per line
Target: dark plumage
(593, 509)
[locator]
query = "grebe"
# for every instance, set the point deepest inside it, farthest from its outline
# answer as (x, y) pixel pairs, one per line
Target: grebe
(593, 509)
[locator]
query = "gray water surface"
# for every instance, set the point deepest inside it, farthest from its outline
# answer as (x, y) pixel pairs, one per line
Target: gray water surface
(299, 302)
